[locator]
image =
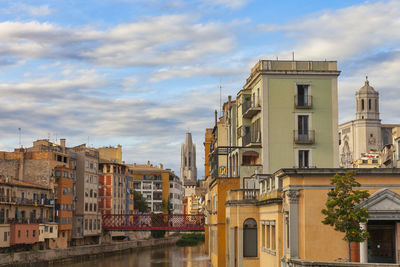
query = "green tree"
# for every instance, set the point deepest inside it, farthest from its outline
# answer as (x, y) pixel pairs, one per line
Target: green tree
(139, 202)
(342, 211)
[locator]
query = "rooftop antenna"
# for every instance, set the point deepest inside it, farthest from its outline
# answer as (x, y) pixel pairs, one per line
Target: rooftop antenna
(220, 96)
(19, 135)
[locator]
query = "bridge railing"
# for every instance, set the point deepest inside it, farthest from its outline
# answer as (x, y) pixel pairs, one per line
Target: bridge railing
(145, 222)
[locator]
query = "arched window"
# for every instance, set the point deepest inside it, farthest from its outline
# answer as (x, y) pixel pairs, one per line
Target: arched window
(237, 165)
(250, 238)
(369, 104)
(362, 104)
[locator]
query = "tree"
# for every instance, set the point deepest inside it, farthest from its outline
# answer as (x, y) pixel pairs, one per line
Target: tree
(342, 210)
(139, 202)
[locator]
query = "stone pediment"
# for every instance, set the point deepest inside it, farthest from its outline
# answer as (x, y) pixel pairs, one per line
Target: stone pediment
(383, 204)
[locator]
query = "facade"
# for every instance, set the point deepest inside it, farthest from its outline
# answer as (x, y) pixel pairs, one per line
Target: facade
(24, 209)
(154, 182)
(113, 183)
(113, 154)
(87, 216)
(175, 193)
(188, 165)
(281, 222)
(365, 133)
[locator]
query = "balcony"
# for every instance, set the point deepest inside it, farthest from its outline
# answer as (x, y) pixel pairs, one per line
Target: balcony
(304, 137)
(303, 101)
(242, 196)
(247, 138)
(250, 108)
(26, 201)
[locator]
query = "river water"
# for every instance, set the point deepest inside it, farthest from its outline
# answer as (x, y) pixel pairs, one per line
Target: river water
(172, 256)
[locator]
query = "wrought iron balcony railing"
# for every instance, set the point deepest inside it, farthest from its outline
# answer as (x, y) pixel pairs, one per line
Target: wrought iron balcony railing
(303, 101)
(304, 137)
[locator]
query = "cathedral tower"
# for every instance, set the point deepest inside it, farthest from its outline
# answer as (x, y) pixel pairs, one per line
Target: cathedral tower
(188, 160)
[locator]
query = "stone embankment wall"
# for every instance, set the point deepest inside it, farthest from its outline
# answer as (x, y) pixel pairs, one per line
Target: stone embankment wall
(303, 263)
(80, 252)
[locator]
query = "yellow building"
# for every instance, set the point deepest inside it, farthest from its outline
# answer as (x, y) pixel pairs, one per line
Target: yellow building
(280, 224)
(153, 182)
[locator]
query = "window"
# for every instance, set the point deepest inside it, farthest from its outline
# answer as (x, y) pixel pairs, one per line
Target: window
(51, 229)
(302, 127)
(90, 207)
(27, 233)
(250, 238)
(263, 235)
(5, 236)
(273, 241)
(19, 233)
(303, 99)
(86, 206)
(91, 192)
(268, 236)
(94, 207)
(87, 164)
(34, 233)
(303, 159)
(86, 224)
(362, 104)
(90, 224)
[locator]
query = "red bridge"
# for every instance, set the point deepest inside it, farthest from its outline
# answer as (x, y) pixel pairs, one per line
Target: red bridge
(146, 222)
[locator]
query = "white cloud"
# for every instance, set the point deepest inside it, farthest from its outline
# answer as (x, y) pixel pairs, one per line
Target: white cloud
(154, 41)
(232, 4)
(21, 8)
(340, 34)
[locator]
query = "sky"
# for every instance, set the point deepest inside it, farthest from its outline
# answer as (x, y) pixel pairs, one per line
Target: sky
(142, 73)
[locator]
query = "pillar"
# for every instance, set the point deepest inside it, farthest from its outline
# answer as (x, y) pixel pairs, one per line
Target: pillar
(363, 247)
(293, 196)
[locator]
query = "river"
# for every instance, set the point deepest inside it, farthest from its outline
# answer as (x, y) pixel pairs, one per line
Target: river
(172, 256)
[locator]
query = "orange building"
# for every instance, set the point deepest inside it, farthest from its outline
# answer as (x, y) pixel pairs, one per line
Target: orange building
(64, 203)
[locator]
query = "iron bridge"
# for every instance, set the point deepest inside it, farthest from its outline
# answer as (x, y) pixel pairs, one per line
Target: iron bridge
(146, 222)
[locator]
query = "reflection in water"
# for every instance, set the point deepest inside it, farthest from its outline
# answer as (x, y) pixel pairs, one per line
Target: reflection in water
(172, 256)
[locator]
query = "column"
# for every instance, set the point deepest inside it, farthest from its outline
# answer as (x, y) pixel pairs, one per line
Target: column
(363, 247)
(293, 197)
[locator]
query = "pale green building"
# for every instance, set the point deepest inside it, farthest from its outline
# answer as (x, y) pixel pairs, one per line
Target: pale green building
(286, 116)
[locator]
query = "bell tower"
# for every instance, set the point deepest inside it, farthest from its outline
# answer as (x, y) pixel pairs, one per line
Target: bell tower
(367, 100)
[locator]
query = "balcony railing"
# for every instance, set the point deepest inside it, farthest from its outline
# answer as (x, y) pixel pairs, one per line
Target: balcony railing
(303, 101)
(250, 108)
(26, 201)
(246, 195)
(248, 138)
(304, 137)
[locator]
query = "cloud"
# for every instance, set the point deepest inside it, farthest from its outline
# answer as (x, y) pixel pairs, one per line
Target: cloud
(154, 41)
(343, 33)
(232, 4)
(24, 9)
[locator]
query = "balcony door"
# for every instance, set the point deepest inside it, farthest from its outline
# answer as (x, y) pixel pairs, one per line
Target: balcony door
(302, 95)
(302, 127)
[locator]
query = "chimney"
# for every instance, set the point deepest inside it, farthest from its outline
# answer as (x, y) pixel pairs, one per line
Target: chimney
(148, 163)
(62, 142)
(161, 166)
(216, 115)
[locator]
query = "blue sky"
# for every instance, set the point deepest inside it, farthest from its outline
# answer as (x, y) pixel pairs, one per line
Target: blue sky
(141, 73)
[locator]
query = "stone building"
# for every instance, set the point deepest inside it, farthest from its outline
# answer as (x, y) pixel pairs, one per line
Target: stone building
(365, 134)
(188, 160)
(87, 216)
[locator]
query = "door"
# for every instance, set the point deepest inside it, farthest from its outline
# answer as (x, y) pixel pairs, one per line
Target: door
(303, 127)
(381, 243)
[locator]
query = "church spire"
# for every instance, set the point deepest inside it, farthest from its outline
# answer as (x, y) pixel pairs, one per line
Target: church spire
(367, 100)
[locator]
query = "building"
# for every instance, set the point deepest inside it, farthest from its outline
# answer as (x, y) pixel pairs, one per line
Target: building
(87, 215)
(154, 183)
(188, 164)
(217, 184)
(365, 133)
(175, 193)
(110, 153)
(280, 224)
(26, 209)
(113, 183)
(284, 116)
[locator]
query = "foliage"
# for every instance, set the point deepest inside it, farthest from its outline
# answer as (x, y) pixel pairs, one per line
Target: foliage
(167, 205)
(342, 211)
(191, 239)
(140, 202)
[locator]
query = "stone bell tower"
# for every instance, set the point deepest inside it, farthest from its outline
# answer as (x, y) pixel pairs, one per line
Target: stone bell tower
(188, 160)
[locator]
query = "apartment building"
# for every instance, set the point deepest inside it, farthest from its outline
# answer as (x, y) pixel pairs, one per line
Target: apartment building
(26, 209)
(153, 182)
(113, 183)
(175, 193)
(87, 215)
